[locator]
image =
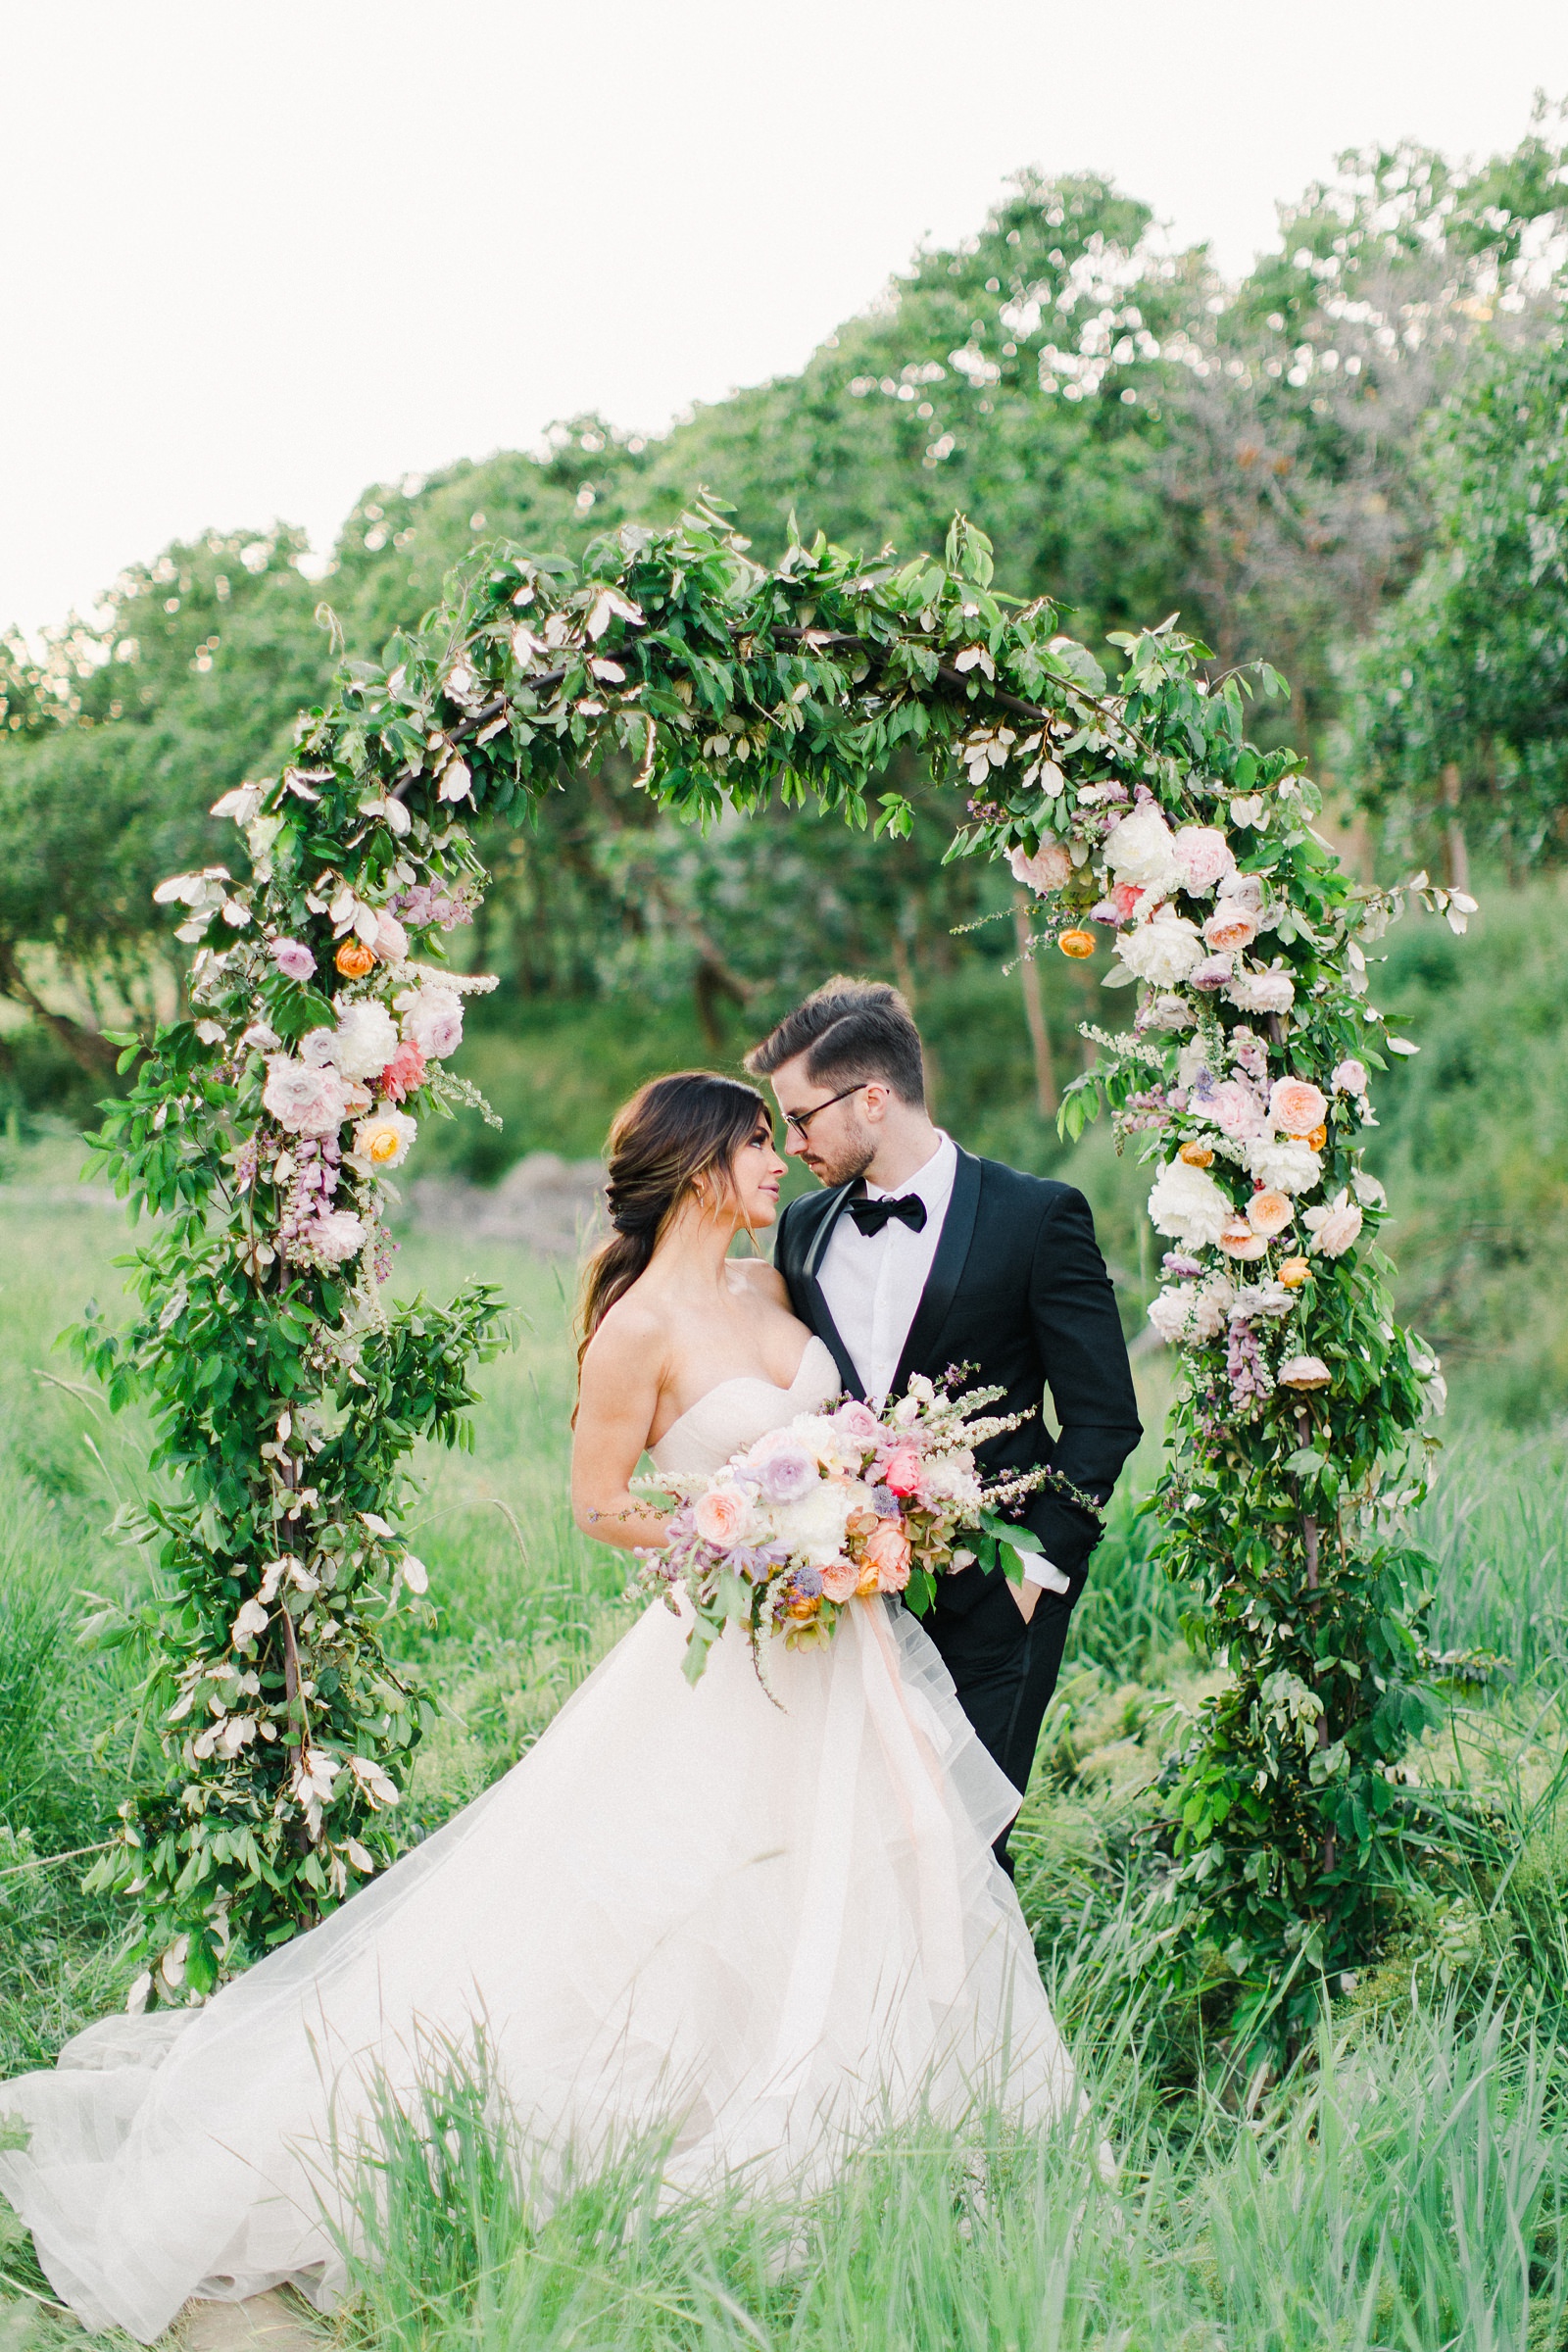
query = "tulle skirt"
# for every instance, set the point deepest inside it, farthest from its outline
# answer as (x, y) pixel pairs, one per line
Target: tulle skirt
(764, 1929)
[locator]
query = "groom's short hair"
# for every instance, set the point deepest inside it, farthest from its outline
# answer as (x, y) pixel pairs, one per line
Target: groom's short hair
(849, 1031)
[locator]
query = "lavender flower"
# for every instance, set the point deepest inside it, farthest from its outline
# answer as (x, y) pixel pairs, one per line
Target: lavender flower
(788, 1474)
(1250, 1380)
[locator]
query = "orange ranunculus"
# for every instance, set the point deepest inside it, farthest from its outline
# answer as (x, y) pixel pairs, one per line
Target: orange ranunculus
(1318, 1137)
(866, 1583)
(1294, 1271)
(1196, 1155)
(802, 1610)
(354, 958)
(888, 1552)
(1077, 943)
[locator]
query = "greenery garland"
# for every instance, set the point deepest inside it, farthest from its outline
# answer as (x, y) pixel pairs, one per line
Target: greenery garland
(265, 1129)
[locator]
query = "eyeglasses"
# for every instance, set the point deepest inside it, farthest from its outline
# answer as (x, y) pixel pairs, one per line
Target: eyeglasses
(801, 1120)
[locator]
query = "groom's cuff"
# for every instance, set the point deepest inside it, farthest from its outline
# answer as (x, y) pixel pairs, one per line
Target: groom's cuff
(1038, 1570)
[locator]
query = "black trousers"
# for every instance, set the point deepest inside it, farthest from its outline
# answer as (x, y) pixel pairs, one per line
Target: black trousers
(1003, 1669)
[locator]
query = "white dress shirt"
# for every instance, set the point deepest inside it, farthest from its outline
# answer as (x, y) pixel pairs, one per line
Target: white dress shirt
(873, 1284)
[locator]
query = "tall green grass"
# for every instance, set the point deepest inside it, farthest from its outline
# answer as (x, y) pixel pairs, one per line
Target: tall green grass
(1402, 2186)
(1408, 2189)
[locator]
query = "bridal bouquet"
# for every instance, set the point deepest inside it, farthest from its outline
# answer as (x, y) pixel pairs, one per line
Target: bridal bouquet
(832, 1508)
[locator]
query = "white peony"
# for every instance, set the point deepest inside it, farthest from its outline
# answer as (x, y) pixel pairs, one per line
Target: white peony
(432, 1020)
(304, 1099)
(1211, 1308)
(829, 1443)
(1189, 1206)
(1170, 1311)
(1262, 992)
(814, 1526)
(1141, 848)
(1336, 1227)
(1283, 1163)
(1164, 951)
(364, 1040)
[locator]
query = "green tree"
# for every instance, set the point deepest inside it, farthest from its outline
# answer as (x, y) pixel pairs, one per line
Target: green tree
(115, 740)
(1461, 708)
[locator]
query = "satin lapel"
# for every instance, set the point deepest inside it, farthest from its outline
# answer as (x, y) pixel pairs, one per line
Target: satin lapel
(946, 1271)
(822, 1322)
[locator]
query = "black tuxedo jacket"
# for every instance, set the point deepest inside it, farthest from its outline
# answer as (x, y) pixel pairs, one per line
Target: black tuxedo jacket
(1019, 1289)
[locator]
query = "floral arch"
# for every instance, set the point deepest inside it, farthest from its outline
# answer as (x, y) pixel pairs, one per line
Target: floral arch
(261, 1131)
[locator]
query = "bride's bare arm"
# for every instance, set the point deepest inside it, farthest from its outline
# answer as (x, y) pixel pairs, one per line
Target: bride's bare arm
(621, 1374)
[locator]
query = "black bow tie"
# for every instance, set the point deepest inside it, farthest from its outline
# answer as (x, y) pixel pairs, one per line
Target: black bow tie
(872, 1215)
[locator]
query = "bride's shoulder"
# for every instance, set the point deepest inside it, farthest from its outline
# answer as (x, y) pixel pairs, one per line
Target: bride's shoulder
(761, 1280)
(636, 1328)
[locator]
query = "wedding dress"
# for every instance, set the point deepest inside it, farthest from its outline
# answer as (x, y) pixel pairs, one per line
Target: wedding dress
(766, 1926)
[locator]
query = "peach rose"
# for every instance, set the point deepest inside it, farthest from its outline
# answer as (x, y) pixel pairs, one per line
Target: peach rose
(1296, 1106)
(723, 1516)
(1230, 928)
(1269, 1212)
(902, 1476)
(839, 1579)
(888, 1552)
(1238, 1240)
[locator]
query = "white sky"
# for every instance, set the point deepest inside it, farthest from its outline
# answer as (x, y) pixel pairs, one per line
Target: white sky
(263, 251)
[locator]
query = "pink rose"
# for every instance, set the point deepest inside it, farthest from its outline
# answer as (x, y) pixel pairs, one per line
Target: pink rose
(839, 1579)
(1126, 899)
(1204, 854)
(723, 1516)
(901, 1474)
(293, 959)
(1230, 928)
(1296, 1106)
(1233, 1108)
(305, 1100)
(404, 1072)
(432, 1020)
(887, 1551)
(857, 1420)
(1350, 1078)
(1048, 870)
(391, 940)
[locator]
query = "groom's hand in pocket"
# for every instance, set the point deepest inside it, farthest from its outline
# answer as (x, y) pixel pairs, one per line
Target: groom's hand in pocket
(1026, 1595)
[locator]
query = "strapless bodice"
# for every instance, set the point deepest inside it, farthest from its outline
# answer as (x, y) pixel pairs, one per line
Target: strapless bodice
(739, 1411)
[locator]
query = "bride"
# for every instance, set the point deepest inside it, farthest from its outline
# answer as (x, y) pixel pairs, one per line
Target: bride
(760, 1928)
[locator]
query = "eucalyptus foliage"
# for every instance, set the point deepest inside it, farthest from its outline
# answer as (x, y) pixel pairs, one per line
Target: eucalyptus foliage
(262, 1130)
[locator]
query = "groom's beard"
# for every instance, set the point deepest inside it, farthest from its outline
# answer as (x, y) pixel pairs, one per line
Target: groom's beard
(841, 1163)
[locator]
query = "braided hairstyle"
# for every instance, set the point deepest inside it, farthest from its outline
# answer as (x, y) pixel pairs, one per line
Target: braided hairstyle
(671, 1133)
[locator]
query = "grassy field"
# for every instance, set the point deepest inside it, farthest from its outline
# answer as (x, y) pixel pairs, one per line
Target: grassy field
(1406, 2185)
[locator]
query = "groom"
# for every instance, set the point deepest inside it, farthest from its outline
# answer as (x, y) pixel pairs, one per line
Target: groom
(918, 1255)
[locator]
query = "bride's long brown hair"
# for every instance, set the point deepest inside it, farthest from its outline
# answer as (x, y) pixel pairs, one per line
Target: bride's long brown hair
(673, 1132)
